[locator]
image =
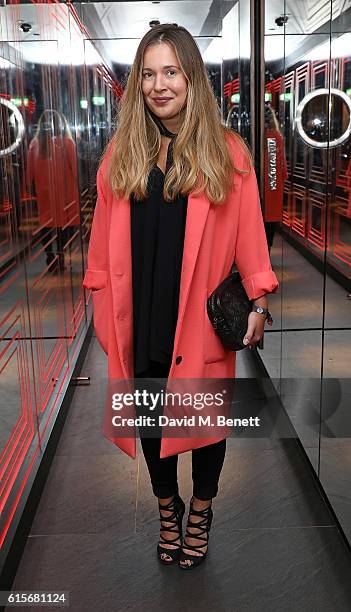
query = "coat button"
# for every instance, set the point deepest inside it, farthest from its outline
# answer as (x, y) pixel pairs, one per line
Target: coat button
(121, 316)
(178, 359)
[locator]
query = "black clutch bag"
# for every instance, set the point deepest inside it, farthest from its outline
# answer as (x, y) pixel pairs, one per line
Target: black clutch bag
(228, 308)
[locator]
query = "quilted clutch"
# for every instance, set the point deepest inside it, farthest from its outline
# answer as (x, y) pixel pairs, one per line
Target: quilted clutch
(228, 309)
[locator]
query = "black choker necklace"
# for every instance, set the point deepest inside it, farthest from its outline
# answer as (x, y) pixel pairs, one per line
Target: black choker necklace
(162, 127)
(166, 132)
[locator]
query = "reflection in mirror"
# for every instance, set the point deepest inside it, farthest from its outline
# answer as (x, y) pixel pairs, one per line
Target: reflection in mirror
(11, 124)
(315, 126)
(310, 356)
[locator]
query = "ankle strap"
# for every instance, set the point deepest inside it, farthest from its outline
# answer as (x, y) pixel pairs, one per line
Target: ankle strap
(175, 500)
(202, 513)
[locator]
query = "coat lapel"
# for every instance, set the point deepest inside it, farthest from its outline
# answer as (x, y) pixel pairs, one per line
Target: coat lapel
(121, 268)
(195, 224)
(121, 280)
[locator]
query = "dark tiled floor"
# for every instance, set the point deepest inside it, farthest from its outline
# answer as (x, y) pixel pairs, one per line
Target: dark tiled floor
(273, 544)
(335, 476)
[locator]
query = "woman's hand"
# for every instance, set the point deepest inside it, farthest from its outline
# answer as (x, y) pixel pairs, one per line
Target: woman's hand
(255, 329)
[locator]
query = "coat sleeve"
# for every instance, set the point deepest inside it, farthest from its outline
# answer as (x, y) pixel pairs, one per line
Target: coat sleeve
(251, 253)
(96, 273)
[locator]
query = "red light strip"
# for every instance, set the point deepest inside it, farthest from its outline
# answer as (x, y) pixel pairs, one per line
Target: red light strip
(58, 20)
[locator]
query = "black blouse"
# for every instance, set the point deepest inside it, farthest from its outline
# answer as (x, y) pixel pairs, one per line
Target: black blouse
(157, 237)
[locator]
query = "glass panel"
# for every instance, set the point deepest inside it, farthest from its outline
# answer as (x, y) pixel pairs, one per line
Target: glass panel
(310, 358)
(298, 17)
(335, 444)
(295, 219)
(341, 18)
(43, 314)
(47, 164)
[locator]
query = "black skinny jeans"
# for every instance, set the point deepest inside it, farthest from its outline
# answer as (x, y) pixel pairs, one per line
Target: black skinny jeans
(207, 462)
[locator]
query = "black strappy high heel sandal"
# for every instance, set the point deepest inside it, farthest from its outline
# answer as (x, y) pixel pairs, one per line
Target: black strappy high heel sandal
(176, 507)
(203, 526)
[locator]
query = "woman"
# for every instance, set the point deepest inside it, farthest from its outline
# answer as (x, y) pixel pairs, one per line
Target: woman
(52, 170)
(177, 206)
(275, 173)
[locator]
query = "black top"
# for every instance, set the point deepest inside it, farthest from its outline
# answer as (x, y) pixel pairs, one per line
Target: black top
(157, 236)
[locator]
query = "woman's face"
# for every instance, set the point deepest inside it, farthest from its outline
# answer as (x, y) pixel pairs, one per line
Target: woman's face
(164, 85)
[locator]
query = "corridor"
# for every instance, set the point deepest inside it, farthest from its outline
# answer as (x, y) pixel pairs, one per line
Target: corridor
(273, 543)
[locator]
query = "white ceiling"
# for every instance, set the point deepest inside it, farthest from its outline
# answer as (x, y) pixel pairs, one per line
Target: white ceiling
(124, 23)
(304, 16)
(131, 19)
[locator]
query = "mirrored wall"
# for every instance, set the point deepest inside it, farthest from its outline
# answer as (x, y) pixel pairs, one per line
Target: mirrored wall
(56, 101)
(307, 210)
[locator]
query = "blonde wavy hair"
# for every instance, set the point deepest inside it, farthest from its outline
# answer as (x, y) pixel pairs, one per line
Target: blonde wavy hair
(201, 158)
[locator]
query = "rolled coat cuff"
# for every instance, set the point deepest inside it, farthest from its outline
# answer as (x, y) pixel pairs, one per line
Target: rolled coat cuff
(260, 283)
(95, 279)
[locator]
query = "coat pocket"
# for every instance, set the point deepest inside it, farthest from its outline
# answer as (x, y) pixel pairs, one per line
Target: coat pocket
(95, 279)
(100, 317)
(213, 348)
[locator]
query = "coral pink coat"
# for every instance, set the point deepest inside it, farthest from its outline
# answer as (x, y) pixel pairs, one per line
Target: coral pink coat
(56, 182)
(216, 237)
